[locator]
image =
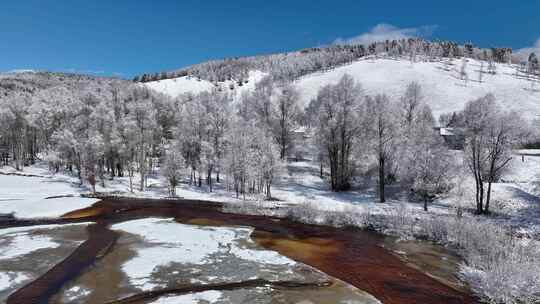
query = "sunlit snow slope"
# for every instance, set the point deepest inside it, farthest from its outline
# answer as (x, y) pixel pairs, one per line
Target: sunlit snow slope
(177, 86)
(443, 88)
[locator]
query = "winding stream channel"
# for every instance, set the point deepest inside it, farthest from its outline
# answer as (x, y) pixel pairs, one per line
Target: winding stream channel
(357, 257)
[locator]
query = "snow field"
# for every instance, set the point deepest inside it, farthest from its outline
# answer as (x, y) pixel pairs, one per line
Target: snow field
(174, 242)
(177, 86)
(25, 196)
(15, 242)
(442, 87)
(205, 297)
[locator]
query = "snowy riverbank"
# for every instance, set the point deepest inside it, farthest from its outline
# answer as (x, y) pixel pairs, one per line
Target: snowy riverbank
(516, 210)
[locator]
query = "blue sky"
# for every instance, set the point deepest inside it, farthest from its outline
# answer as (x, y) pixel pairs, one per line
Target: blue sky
(126, 38)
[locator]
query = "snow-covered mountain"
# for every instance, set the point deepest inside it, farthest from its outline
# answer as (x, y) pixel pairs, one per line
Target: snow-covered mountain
(444, 88)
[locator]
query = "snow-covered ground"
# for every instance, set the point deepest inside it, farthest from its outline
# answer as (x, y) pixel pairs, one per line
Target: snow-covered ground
(28, 252)
(186, 244)
(10, 278)
(210, 296)
(177, 86)
(516, 196)
(25, 196)
(18, 241)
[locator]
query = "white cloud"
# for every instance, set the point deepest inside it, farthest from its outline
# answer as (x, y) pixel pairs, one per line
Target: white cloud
(524, 53)
(385, 31)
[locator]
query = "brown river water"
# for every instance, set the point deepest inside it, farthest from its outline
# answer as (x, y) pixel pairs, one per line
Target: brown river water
(363, 259)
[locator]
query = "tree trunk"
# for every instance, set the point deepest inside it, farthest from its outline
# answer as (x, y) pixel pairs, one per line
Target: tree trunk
(268, 193)
(209, 179)
(131, 182)
(488, 197)
(119, 170)
(477, 195)
(481, 195)
(79, 169)
(381, 180)
(141, 169)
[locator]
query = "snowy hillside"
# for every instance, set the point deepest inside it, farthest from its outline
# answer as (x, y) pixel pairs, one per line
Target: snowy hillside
(443, 88)
(188, 84)
(178, 86)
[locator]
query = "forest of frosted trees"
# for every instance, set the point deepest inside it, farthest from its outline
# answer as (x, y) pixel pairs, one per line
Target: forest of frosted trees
(99, 129)
(102, 128)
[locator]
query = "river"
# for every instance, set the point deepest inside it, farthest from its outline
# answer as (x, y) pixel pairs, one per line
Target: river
(359, 258)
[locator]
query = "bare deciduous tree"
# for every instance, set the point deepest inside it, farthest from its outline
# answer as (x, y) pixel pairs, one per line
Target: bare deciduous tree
(338, 127)
(490, 134)
(382, 125)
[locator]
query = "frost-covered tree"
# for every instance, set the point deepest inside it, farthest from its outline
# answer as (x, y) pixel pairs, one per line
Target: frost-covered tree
(267, 161)
(532, 64)
(410, 102)
(463, 75)
(142, 123)
(492, 68)
(337, 127)
(252, 160)
(92, 154)
(284, 118)
(217, 108)
(171, 168)
(82, 124)
(237, 162)
(261, 101)
(429, 161)
(478, 114)
(190, 133)
(490, 134)
(382, 125)
(481, 71)
(274, 106)
(13, 113)
(502, 134)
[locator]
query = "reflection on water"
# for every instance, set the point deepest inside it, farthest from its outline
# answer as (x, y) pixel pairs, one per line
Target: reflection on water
(106, 282)
(308, 248)
(339, 292)
(436, 261)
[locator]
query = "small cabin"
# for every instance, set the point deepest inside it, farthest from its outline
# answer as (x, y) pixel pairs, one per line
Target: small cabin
(299, 150)
(453, 137)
